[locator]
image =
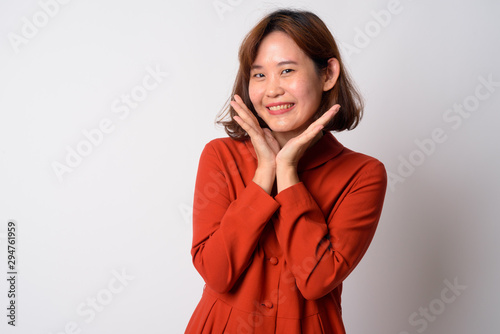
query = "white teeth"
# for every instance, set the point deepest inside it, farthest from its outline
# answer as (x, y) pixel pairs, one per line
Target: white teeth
(280, 107)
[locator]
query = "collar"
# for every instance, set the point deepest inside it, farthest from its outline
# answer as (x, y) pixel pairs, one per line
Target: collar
(326, 148)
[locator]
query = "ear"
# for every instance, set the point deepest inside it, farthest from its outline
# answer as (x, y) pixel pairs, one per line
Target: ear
(331, 74)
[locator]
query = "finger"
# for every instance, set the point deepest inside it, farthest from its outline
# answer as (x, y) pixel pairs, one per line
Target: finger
(271, 140)
(254, 133)
(268, 133)
(328, 115)
(240, 104)
(322, 121)
(310, 133)
(247, 120)
(314, 128)
(247, 127)
(244, 116)
(241, 108)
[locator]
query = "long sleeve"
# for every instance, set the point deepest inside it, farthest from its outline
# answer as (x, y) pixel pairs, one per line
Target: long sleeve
(322, 248)
(226, 230)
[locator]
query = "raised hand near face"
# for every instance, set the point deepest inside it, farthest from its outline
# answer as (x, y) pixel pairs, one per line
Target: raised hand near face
(294, 149)
(288, 157)
(273, 162)
(265, 145)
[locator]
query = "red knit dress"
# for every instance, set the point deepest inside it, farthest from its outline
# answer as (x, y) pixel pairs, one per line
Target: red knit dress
(275, 263)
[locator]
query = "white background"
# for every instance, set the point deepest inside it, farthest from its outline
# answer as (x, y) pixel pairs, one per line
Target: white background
(125, 207)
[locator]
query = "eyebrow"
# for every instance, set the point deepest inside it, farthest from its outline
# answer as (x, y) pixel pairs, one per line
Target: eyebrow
(281, 63)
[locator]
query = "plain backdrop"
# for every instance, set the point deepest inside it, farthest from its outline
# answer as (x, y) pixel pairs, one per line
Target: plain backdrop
(106, 105)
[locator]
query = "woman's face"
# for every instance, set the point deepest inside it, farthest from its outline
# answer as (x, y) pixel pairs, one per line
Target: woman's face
(284, 86)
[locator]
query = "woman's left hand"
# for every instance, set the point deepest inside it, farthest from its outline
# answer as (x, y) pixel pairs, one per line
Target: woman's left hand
(293, 150)
(288, 157)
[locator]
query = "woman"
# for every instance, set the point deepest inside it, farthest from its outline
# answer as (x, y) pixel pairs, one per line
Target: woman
(282, 211)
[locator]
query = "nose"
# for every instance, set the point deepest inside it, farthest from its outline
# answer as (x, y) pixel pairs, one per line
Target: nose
(274, 88)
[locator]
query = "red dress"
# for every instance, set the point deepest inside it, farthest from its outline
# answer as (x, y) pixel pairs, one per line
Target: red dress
(275, 263)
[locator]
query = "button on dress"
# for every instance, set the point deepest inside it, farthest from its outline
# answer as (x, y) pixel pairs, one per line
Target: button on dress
(275, 263)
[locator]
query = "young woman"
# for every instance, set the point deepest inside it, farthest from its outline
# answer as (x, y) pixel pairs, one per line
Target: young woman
(282, 211)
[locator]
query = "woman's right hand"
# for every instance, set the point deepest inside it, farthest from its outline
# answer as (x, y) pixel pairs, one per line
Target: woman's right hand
(265, 145)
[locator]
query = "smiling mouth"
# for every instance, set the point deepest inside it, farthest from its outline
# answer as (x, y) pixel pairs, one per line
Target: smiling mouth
(280, 109)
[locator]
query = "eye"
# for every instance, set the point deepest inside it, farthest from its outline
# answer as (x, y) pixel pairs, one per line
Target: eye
(288, 70)
(258, 75)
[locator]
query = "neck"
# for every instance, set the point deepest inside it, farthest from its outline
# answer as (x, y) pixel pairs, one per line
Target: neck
(283, 137)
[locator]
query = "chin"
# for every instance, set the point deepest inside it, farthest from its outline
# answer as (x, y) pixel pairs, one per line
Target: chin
(277, 127)
(282, 129)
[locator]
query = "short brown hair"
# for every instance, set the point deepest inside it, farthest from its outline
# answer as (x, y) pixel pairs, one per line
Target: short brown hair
(312, 36)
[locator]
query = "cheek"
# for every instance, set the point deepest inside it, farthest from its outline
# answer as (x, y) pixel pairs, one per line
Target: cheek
(255, 95)
(307, 91)
(300, 87)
